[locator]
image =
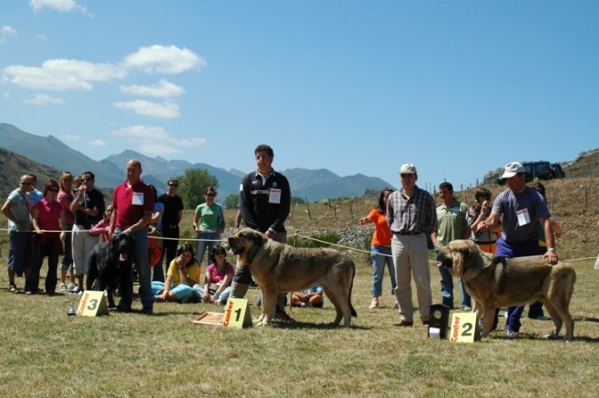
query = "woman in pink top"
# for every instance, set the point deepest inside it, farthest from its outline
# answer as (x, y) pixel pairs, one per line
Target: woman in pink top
(380, 249)
(65, 197)
(49, 223)
(218, 278)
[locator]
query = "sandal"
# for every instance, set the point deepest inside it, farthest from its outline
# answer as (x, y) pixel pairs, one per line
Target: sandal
(13, 288)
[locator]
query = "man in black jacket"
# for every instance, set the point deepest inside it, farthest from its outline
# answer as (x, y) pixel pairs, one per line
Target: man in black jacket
(264, 203)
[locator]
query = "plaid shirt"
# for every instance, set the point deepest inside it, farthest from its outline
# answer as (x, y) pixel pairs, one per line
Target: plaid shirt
(414, 215)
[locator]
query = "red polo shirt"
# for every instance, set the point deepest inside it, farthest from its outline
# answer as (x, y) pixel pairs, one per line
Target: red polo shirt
(130, 204)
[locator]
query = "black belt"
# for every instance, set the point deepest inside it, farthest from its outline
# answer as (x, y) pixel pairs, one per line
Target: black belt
(407, 233)
(484, 243)
(170, 226)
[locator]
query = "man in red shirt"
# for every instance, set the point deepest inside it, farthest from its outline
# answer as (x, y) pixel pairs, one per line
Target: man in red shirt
(133, 204)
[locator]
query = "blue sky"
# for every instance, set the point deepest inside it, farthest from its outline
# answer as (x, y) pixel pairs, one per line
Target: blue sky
(456, 87)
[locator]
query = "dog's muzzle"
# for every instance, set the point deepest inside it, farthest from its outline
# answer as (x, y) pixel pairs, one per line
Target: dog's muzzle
(443, 261)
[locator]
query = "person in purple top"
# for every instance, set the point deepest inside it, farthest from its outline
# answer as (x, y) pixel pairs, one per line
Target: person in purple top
(524, 211)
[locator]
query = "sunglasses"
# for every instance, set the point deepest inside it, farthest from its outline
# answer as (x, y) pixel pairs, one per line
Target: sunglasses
(26, 183)
(67, 180)
(87, 179)
(53, 189)
(210, 194)
(173, 185)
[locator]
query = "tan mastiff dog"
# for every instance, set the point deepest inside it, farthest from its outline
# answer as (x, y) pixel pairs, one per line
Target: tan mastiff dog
(278, 268)
(509, 282)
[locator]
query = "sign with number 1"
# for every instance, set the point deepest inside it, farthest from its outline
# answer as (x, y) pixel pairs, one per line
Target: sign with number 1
(237, 314)
(463, 327)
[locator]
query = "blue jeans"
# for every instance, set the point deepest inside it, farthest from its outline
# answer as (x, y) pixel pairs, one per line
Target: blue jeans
(67, 259)
(208, 241)
(140, 258)
(447, 289)
(380, 256)
(20, 252)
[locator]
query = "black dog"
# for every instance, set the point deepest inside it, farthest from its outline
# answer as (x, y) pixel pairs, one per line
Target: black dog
(108, 262)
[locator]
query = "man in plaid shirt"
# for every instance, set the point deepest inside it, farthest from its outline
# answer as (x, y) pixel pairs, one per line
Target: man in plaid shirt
(412, 217)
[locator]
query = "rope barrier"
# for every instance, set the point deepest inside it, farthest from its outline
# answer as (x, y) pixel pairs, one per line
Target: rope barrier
(295, 235)
(88, 230)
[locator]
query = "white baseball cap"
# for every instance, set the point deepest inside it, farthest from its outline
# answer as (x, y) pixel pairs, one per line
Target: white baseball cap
(511, 169)
(408, 168)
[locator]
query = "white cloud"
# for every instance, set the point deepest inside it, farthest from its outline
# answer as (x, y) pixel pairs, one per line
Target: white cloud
(97, 143)
(59, 5)
(42, 37)
(163, 88)
(7, 31)
(164, 59)
(6, 95)
(165, 110)
(156, 140)
(154, 148)
(44, 99)
(62, 74)
(72, 137)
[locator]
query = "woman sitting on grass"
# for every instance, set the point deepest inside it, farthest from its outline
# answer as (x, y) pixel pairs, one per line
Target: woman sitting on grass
(183, 273)
(218, 279)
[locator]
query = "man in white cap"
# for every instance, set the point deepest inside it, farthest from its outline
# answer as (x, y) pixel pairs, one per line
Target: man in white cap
(412, 217)
(524, 212)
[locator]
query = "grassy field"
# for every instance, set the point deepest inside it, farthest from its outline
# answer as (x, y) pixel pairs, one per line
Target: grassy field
(49, 354)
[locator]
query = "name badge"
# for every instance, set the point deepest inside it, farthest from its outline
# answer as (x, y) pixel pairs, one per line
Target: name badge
(523, 217)
(274, 196)
(138, 199)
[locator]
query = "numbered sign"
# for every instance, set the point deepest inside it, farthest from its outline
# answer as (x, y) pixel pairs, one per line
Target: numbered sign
(92, 303)
(463, 327)
(237, 314)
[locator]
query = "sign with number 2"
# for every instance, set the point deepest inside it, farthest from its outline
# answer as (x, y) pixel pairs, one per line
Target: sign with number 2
(463, 327)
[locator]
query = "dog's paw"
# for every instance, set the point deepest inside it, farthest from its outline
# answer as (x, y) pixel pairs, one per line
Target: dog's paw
(258, 322)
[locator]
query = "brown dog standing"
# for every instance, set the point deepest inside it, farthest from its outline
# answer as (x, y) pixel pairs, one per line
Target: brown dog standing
(277, 268)
(501, 282)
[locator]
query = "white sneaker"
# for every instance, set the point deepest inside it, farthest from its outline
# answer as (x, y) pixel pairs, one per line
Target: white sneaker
(62, 287)
(72, 286)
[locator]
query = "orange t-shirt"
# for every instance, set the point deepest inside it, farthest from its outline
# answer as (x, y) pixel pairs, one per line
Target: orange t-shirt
(382, 234)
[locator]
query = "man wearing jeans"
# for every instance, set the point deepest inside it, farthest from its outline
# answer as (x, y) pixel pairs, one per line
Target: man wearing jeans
(17, 209)
(411, 217)
(452, 216)
(133, 204)
(524, 211)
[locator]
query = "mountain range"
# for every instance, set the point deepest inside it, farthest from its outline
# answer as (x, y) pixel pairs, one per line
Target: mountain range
(313, 185)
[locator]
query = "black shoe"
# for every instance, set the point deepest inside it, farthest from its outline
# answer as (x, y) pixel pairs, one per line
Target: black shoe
(121, 308)
(147, 310)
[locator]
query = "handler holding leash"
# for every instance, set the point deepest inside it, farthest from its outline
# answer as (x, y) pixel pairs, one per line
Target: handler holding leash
(264, 203)
(524, 211)
(133, 204)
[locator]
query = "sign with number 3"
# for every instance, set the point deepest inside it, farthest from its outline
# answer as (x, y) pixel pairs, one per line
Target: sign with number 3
(92, 304)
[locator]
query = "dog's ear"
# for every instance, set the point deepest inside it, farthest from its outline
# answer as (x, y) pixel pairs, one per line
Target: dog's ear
(257, 237)
(468, 252)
